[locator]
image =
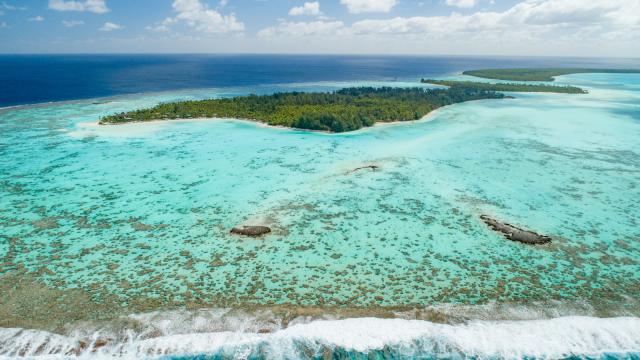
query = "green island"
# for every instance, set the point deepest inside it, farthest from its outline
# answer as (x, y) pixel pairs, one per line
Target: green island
(339, 111)
(540, 74)
(480, 86)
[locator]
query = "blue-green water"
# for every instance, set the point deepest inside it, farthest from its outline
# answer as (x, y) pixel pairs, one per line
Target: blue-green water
(138, 216)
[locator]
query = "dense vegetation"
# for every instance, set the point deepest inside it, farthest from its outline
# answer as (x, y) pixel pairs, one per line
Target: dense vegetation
(542, 74)
(480, 86)
(339, 111)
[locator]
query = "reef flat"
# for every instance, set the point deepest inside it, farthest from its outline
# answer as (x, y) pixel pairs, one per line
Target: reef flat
(340, 111)
(541, 74)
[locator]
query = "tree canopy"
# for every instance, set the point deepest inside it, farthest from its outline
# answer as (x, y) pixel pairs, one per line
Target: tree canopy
(539, 74)
(339, 111)
(481, 86)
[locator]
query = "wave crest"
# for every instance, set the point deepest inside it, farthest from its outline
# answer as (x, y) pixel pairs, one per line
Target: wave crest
(562, 337)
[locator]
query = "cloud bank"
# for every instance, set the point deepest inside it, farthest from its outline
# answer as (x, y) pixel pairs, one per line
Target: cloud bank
(200, 17)
(526, 20)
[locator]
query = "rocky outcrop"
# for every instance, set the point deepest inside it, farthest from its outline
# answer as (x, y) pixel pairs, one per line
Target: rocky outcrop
(514, 233)
(251, 230)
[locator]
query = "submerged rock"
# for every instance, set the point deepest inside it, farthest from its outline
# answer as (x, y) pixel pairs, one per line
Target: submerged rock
(251, 230)
(100, 343)
(514, 233)
(369, 167)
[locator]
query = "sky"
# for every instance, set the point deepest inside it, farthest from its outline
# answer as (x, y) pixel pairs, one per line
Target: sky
(594, 28)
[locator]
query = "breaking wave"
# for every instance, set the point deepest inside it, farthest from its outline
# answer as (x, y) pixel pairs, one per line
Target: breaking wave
(217, 334)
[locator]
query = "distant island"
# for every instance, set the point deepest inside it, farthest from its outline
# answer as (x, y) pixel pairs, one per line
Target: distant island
(343, 110)
(480, 86)
(540, 74)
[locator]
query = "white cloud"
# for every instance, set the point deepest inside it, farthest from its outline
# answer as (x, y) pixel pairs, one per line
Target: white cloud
(109, 26)
(361, 6)
(309, 8)
(528, 18)
(541, 27)
(462, 3)
(296, 29)
(200, 17)
(36, 18)
(72, 23)
(94, 6)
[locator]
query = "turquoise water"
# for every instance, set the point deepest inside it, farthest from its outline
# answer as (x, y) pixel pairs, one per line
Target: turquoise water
(141, 213)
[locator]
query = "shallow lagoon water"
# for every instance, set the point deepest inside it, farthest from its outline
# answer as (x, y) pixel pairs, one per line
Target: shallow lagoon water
(139, 215)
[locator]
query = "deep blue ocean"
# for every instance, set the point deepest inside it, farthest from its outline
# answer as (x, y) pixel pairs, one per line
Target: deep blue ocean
(30, 79)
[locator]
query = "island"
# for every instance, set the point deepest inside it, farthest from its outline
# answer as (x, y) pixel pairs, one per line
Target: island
(481, 86)
(540, 74)
(339, 111)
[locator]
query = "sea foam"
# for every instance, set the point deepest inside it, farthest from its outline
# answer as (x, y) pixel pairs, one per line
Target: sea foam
(574, 336)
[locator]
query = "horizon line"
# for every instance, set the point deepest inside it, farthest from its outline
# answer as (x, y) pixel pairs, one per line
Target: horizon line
(315, 54)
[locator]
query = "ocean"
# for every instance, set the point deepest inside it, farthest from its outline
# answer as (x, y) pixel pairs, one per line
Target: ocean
(32, 79)
(114, 240)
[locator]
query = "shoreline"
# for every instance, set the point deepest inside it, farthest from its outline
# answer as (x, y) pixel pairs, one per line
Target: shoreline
(257, 123)
(262, 124)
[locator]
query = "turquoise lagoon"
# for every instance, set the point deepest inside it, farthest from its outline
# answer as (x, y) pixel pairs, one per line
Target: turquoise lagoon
(136, 218)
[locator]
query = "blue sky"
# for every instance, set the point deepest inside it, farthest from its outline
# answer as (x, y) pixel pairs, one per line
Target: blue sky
(508, 27)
